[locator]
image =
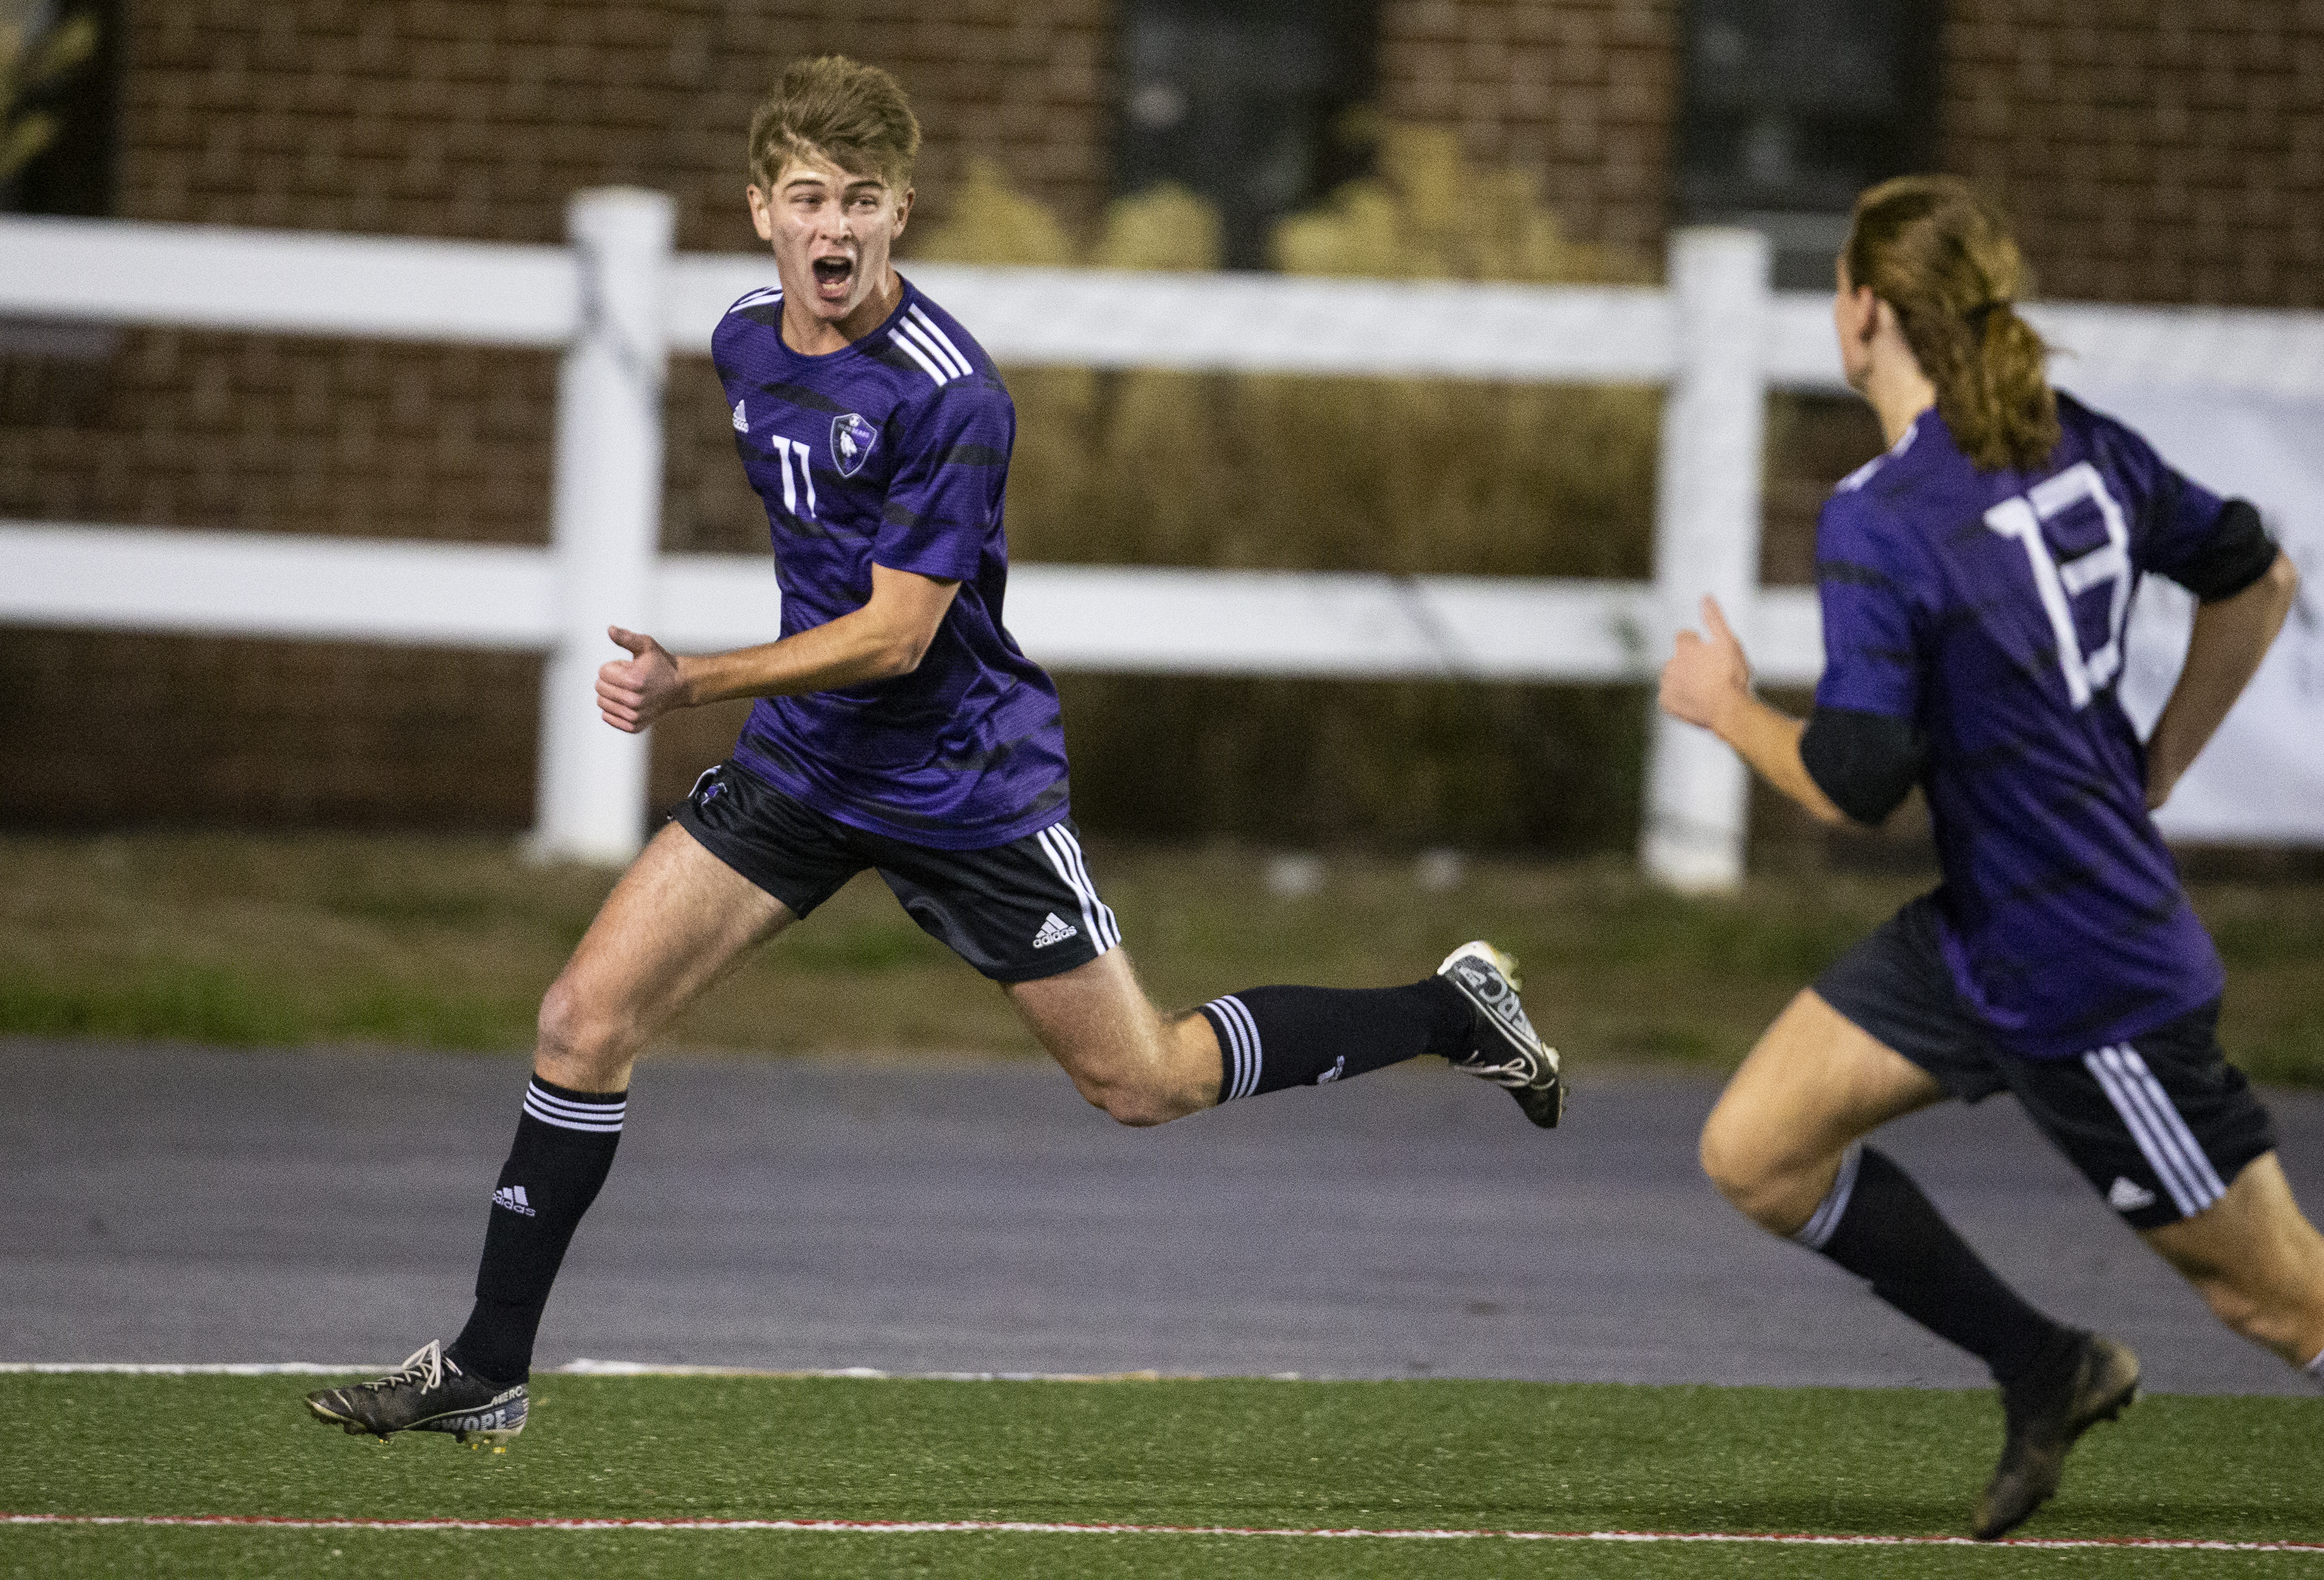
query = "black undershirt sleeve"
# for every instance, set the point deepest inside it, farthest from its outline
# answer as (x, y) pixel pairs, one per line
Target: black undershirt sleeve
(2236, 554)
(1866, 762)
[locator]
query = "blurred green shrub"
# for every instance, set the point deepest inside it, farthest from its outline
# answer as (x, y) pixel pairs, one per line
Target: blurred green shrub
(1405, 477)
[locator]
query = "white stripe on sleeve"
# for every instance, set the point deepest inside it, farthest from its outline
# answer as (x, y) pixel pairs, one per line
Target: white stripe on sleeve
(941, 342)
(944, 372)
(904, 340)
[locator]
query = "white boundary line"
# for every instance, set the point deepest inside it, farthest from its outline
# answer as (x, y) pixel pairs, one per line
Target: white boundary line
(1047, 1528)
(589, 1368)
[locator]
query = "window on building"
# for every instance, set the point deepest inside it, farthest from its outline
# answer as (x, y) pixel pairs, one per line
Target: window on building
(1792, 108)
(69, 98)
(1244, 102)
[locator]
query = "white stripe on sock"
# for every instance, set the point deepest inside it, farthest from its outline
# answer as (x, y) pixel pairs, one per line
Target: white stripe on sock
(2315, 1368)
(1231, 1049)
(1243, 1053)
(568, 1114)
(1816, 1233)
(584, 1114)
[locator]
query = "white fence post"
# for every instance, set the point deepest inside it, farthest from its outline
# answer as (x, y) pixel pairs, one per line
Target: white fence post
(1707, 539)
(606, 520)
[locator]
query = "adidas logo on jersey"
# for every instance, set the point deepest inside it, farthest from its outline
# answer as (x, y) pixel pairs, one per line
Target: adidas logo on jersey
(1055, 930)
(512, 1197)
(741, 422)
(2128, 1195)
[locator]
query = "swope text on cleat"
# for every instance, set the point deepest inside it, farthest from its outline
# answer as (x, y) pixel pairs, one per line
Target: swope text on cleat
(428, 1393)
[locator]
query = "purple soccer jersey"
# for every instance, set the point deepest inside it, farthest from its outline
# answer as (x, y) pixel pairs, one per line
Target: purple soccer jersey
(1987, 608)
(894, 452)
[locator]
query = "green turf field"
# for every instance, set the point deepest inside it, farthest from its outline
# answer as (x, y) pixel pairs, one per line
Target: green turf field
(286, 939)
(1284, 1456)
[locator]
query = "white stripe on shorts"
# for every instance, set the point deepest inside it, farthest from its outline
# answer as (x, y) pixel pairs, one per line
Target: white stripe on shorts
(1109, 930)
(1065, 854)
(1242, 1046)
(2170, 1148)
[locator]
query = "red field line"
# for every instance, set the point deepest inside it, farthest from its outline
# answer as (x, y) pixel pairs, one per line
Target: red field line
(1032, 1527)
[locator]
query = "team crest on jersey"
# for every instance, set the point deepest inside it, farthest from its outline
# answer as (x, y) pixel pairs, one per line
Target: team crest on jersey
(851, 439)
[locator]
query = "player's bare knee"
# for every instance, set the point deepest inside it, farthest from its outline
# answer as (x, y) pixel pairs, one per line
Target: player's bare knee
(1734, 1164)
(1769, 1189)
(575, 1040)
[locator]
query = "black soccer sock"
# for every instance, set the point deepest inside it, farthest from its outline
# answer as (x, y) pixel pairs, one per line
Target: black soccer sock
(565, 1142)
(1270, 1038)
(1876, 1222)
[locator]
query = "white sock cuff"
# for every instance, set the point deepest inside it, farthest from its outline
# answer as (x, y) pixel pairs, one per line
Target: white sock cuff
(1817, 1231)
(600, 1113)
(2315, 1368)
(1239, 1042)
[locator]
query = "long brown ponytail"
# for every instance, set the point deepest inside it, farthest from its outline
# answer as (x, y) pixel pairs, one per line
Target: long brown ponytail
(1943, 258)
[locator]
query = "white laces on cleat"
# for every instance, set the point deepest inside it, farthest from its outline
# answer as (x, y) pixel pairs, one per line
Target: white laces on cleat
(424, 1366)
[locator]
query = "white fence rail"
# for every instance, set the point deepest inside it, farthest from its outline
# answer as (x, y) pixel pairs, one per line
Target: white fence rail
(618, 301)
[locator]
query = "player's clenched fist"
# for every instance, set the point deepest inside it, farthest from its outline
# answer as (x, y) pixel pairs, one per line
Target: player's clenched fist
(634, 692)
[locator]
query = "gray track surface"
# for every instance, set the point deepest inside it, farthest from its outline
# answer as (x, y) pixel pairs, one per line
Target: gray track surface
(183, 1205)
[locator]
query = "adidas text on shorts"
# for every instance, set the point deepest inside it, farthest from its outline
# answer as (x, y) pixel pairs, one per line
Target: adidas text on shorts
(1017, 912)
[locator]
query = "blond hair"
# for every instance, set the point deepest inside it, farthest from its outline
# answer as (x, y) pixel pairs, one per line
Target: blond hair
(832, 107)
(1943, 259)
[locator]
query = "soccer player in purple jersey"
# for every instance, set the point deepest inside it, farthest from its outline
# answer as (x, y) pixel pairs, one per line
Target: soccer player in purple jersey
(898, 727)
(1975, 581)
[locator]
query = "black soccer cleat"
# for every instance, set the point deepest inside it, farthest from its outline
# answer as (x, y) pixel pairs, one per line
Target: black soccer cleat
(1503, 1047)
(428, 1393)
(2043, 1423)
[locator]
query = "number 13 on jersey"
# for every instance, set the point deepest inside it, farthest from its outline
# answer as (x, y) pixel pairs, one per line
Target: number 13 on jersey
(2060, 581)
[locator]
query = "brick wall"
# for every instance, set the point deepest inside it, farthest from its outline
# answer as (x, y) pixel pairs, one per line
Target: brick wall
(463, 118)
(1583, 93)
(442, 118)
(2152, 151)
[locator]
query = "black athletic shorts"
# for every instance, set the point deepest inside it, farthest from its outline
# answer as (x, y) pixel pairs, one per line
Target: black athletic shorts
(2159, 1125)
(1017, 912)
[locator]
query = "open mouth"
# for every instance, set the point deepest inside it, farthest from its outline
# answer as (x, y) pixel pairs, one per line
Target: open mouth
(831, 271)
